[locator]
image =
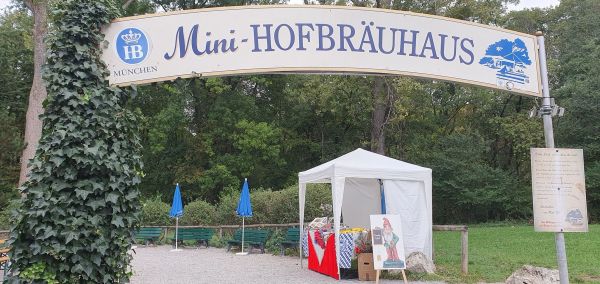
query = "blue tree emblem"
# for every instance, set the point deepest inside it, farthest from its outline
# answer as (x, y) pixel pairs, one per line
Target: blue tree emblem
(510, 59)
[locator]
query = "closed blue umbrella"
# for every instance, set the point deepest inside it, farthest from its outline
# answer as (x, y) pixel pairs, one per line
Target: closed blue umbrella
(176, 211)
(244, 208)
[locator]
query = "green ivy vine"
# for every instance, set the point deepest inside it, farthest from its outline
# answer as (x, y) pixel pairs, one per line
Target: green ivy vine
(80, 207)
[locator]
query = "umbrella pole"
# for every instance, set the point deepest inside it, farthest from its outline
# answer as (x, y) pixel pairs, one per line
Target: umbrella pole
(176, 231)
(243, 234)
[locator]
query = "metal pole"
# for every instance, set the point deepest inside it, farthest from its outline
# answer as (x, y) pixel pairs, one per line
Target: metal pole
(242, 234)
(176, 231)
(559, 238)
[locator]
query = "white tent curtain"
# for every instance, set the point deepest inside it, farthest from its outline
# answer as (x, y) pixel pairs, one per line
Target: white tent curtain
(338, 198)
(363, 191)
(406, 198)
(301, 200)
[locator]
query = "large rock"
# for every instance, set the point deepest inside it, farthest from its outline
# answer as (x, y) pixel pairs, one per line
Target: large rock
(534, 275)
(419, 263)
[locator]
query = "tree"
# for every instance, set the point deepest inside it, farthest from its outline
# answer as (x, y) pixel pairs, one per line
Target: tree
(574, 34)
(37, 95)
(16, 71)
(80, 205)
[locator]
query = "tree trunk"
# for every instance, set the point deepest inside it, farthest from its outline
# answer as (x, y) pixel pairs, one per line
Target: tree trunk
(379, 116)
(37, 95)
(380, 104)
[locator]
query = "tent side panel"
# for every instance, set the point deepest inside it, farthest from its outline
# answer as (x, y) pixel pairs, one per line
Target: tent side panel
(301, 203)
(361, 199)
(409, 200)
(337, 186)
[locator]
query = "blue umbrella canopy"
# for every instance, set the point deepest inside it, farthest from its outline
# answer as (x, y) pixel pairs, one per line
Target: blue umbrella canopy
(244, 208)
(177, 207)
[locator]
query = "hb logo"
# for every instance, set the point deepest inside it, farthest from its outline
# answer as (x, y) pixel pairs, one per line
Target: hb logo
(132, 46)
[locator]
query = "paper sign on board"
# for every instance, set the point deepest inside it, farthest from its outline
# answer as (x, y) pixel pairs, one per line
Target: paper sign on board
(558, 182)
(388, 245)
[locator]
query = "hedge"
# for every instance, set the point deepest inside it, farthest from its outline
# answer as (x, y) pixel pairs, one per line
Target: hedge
(268, 206)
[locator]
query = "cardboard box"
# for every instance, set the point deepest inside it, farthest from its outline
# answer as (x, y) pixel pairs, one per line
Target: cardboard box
(366, 270)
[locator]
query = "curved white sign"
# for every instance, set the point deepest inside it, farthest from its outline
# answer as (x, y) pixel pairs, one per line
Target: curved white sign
(318, 39)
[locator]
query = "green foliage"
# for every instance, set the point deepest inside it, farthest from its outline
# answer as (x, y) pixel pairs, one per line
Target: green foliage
(198, 212)
(576, 29)
(268, 206)
(275, 238)
(275, 207)
(80, 205)
(155, 213)
(4, 219)
(217, 242)
(16, 63)
(466, 189)
(38, 272)
(7, 215)
(226, 207)
(10, 148)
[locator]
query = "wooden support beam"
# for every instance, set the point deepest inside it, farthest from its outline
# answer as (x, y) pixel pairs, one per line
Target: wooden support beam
(464, 253)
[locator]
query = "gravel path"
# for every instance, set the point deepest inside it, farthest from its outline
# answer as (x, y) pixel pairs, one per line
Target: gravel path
(212, 265)
(160, 265)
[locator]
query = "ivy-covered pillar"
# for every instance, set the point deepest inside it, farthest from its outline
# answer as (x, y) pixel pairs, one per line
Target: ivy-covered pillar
(79, 208)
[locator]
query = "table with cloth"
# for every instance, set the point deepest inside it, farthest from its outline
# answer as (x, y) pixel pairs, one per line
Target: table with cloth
(319, 247)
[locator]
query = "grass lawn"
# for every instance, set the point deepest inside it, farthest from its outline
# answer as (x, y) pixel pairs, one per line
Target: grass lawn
(497, 251)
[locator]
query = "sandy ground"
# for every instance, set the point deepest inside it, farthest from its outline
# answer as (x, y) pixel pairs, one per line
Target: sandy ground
(213, 265)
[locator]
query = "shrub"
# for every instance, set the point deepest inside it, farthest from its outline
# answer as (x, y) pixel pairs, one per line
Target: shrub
(217, 242)
(198, 212)
(226, 207)
(318, 202)
(272, 244)
(155, 213)
(276, 207)
(6, 215)
(4, 219)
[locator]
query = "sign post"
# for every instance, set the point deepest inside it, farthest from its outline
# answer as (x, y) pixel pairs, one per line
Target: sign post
(561, 252)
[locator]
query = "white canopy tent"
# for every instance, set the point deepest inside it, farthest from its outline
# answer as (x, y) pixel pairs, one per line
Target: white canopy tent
(355, 186)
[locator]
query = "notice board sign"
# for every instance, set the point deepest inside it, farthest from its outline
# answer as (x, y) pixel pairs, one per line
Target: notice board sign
(388, 245)
(558, 183)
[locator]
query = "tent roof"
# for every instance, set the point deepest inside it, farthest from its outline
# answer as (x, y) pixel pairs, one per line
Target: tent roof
(364, 164)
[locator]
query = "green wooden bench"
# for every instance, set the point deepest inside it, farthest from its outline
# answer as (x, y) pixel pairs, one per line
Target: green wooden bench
(292, 239)
(200, 235)
(253, 238)
(148, 235)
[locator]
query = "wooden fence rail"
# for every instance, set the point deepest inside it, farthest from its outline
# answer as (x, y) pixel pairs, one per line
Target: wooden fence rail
(464, 241)
(463, 229)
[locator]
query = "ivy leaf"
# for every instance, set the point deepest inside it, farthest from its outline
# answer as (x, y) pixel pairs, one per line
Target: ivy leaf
(82, 193)
(95, 204)
(118, 221)
(93, 150)
(112, 198)
(81, 75)
(70, 236)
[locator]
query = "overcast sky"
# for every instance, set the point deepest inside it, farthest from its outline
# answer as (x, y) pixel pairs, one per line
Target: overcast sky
(524, 3)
